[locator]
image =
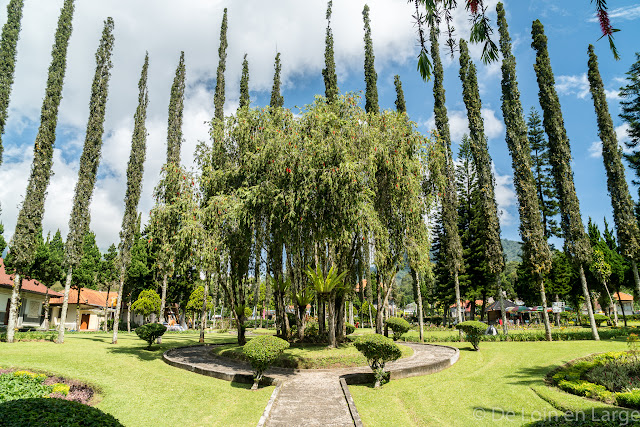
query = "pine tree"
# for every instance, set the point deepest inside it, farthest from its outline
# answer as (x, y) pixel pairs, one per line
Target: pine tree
(245, 100)
(541, 167)
(482, 160)
(277, 101)
(449, 198)
(631, 115)
(401, 106)
(134, 186)
(176, 109)
(29, 221)
(370, 75)
(576, 244)
(8, 52)
(626, 223)
(218, 99)
(329, 72)
(531, 229)
(89, 161)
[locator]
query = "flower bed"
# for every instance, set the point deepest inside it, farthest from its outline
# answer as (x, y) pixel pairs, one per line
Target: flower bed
(20, 384)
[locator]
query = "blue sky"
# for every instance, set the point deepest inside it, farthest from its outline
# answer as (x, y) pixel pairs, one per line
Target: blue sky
(296, 29)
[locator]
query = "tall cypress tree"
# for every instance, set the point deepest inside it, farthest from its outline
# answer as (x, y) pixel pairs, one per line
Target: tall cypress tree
(277, 100)
(401, 106)
(245, 100)
(630, 107)
(576, 244)
(29, 221)
(89, 162)
(218, 99)
(8, 52)
(531, 229)
(134, 186)
(329, 72)
(370, 75)
(626, 224)
(482, 160)
(541, 167)
(451, 236)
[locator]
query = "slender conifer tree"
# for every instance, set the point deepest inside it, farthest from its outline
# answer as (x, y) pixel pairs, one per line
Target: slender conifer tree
(89, 162)
(329, 72)
(245, 100)
(401, 106)
(135, 170)
(370, 75)
(218, 100)
(576, 243)
(449, 197)
(29, 221)
(626, 223)
(277, 99)
(8, 52)
(482, 160)
(531, 229)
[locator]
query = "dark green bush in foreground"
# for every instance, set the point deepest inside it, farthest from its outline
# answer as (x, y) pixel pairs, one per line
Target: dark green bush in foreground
(398, 325)
(150, 332)
(53, 413)
(473, 330)
(349, 328)
(262, 352)
(378, 350)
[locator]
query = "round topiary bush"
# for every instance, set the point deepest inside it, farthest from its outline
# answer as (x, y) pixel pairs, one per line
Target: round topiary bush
(378, 350)
(473, 331)
(150, 332)
(599, 318)
(53, 413)
(398, 325)
(262, 352)
(349, 328)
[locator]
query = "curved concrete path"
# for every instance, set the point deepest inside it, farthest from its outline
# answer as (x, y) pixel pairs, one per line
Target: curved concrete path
(325, 388)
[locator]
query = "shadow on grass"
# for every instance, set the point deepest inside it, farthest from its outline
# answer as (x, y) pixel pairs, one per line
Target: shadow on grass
(141, 351)
(530, 375)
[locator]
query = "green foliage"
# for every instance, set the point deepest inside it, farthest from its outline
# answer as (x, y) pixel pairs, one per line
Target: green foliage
(401, 106)
(30, 336)
(325, 285)
(378, 350)
(277, 101)
(108, 270)
(23, 385)
(473, 330)
(629, 399)
(86, 273)
(364, 312)
(370, 75)
(329, 72)
(151, 331)
(196, 300)
(148, 302)
(600, 318)
(8, 52)
(54, 413)
(349, 328)
(630, 106)
(176, 108)
(245, 100)
(262, 352)
(218, 99)
(398, 325)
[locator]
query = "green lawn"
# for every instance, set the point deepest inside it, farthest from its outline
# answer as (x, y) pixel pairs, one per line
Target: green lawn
(496, 384)
(137, 387)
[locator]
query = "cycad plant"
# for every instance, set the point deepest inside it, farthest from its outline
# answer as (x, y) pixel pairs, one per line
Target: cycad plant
(326, 288)
(302, 298)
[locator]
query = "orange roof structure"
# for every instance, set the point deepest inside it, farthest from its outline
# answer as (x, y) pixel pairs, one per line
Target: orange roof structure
(623, 297)
(31, 285)
(87, 297)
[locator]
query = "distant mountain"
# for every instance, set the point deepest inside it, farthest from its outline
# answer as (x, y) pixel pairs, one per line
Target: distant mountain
(512, 250)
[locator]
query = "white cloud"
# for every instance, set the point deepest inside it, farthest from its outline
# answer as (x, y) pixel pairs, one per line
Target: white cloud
(626, 13)
(505, 197)
(595, 149)
(459, 124)
(578, 85)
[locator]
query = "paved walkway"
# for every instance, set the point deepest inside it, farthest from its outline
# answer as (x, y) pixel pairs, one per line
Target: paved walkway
(311, 397)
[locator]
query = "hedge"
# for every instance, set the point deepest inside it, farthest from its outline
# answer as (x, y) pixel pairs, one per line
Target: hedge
(53, 413)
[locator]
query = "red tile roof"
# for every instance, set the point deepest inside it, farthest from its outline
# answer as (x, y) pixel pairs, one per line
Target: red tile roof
(87, 297)
(623, 296)
(6, 281)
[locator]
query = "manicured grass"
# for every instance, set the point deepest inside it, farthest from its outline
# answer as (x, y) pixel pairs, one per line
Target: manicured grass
(136, 386)
(311, 356)
(503, 382)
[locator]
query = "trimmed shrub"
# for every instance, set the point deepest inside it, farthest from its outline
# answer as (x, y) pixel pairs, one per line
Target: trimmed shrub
(378, 350)
(599, 318)
(147, 302)
(150, 332)
(53, 413)
(473, 330)
(349, 328)
(398, 325)
(629, 399)
(262, 352)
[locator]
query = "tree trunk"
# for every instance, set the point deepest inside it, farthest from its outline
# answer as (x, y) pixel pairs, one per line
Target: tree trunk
(505, 329)
(557, 315)
(163, 298)
(129, 314)
(116, 315)
(300, 323)
(380, 312)
(624, 317)
(370, 317)
(545, 315)
(45, 322)
(331, 321)
(65, 306)
(613, 304)
(420, 314)
(105, 327)
(78, 308)
(321, 317)
(203, 314)
(339, 319)
(587, 300)
(242, 340)
(351, 313)
(13, 311)
(484, 305)
(636, 277)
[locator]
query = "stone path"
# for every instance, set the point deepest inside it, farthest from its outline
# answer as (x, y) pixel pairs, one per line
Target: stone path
(311, 397)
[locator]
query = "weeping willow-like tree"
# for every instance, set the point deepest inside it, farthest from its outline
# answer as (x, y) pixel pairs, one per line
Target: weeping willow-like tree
(8, 52)
(89, 162)
(482, 160)
(626, 223)
(576, 243)
(135, 170)
(531, 229)
(29, 223)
